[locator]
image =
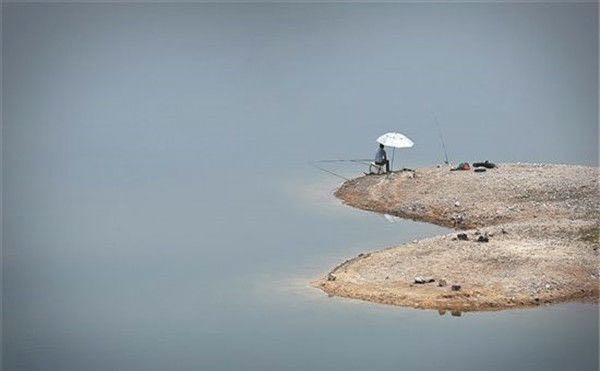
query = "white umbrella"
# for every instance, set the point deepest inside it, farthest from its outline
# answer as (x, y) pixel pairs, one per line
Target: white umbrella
(395, 140)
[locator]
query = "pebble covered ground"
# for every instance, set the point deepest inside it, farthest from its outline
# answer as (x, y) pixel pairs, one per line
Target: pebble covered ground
(527, 234)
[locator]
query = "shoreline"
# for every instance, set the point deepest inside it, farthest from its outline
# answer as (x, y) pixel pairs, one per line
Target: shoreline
(530, 238)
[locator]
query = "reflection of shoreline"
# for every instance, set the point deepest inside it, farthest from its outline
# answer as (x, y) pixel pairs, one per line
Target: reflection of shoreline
(321, 196)
(391, 218)
(316, 196)
(537, 223)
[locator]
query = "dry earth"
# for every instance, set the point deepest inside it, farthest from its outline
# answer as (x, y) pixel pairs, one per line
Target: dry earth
(542, 223)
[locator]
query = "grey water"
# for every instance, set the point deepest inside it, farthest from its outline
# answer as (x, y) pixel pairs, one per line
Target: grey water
(159, 212)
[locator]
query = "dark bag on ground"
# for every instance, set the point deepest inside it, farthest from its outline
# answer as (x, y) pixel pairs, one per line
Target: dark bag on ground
(486, 164)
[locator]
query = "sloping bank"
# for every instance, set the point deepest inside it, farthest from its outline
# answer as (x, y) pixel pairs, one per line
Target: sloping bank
(541, 223)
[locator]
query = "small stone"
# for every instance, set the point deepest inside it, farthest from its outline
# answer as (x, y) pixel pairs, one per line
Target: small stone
(455, 287)
(457, 204)
(462, 236)
(442, 283)
(423, 280)
(331, 277)
(484, 238)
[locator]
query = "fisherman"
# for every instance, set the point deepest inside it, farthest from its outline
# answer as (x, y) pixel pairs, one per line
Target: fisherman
(381, 158)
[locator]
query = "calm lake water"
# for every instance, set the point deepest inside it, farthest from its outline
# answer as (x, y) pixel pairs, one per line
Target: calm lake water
(160, 214)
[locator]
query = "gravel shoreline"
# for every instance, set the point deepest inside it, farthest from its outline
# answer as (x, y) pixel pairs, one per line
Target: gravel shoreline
(528, 235)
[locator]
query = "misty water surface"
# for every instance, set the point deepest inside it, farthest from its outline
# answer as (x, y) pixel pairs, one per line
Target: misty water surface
(159, 212)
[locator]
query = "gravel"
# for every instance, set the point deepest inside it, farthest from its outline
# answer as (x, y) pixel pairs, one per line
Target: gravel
(540, 223)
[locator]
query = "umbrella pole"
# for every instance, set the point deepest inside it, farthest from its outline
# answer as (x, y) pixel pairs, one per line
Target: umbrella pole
(393, 155)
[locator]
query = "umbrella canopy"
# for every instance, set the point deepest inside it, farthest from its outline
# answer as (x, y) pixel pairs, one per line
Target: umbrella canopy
(395, 140)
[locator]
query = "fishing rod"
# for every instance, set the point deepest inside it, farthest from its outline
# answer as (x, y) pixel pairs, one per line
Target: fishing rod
(314, 164)
(441, 139)
(360, 160)
(327, 171)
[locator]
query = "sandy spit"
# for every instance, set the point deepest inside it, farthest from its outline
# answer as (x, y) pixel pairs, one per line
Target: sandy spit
(541, 222)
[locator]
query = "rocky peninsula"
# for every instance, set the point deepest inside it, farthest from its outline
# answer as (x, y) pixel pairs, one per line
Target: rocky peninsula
(526, 234)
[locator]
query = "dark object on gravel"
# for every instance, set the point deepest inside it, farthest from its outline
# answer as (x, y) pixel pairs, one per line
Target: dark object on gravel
(483, 239)
(462, 166)
(462, 236)
(442, 283)
(486, 164)
(421, 280)
(455, 287)
(479, 170)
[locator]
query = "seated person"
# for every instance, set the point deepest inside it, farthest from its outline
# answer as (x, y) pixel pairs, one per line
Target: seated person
(381, 158)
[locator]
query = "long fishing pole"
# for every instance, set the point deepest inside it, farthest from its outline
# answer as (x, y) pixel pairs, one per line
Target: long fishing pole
(359, 161)
(441, 139)
(327, 171)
